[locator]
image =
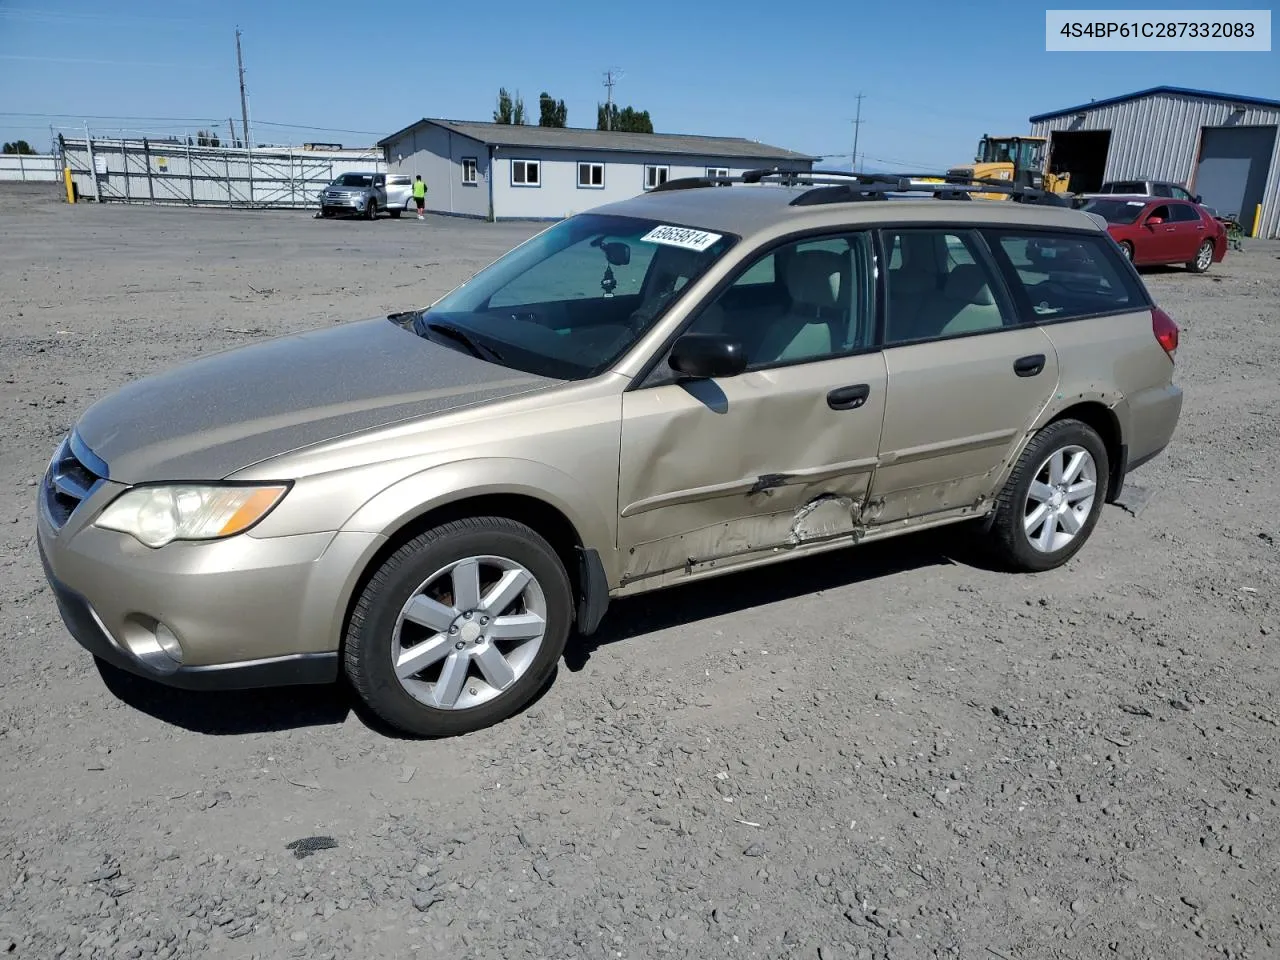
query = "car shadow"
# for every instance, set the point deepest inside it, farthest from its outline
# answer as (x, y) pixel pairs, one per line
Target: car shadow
(740, 592)
(230, 712)
(242, 712)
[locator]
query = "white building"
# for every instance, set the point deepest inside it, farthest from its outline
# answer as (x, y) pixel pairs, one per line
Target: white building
(524, 172)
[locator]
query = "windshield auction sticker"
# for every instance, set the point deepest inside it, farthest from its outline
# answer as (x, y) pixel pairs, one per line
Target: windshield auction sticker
(684, 237)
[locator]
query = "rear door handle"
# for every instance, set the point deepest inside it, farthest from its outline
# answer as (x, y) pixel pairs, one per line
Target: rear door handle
(1029, 366)
(848, 398)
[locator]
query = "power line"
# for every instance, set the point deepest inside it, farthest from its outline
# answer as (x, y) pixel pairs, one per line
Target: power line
(857, 125)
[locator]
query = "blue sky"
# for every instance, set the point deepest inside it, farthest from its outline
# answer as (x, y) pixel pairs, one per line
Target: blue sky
(351, 71)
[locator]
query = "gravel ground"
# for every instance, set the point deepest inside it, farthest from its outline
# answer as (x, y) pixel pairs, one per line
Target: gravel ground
(884, 753)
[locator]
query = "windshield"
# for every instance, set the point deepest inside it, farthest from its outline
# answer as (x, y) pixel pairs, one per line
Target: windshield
(354, 180)
(1116, 211)
(569, 302)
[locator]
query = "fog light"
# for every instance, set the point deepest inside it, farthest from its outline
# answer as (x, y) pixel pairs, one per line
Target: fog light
(156, 646)
(168, 642)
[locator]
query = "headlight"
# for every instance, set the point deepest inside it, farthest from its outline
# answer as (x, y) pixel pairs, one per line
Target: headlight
(161, 514)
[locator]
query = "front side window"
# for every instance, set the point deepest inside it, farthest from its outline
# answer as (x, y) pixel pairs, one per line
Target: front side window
(940, 284)
(1182, 194)
(1162, 190)
(655, 176)
(591, 175)
(805, 301)
(469, 170)
(1183, 213)
(526, 173)
(1066, 276)
(573, 299)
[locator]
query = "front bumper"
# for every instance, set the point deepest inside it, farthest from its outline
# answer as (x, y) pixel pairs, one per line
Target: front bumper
(246, 611)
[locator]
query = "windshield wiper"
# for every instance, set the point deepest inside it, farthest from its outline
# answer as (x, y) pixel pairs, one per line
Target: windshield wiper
(460, 336)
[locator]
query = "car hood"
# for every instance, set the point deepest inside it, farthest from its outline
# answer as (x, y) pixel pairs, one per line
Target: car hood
(209, 418)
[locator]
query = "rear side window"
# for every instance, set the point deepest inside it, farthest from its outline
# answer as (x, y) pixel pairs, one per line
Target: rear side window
(398, 181)
(1065, 276)
(1126, 186)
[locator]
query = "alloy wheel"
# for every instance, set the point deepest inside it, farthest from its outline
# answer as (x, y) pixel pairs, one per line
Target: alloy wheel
(1060, 498)
(469, 632)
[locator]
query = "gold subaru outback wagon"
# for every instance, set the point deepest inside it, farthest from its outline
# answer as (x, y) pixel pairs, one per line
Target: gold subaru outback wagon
(687, 383)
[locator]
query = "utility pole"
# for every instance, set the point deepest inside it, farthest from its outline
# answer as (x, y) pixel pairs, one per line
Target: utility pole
(231, 124)
(609, 81)
(244, 104)
(857, 123)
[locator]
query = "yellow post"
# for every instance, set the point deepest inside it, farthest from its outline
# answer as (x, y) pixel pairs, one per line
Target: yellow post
(66, 179)
(1257, 220)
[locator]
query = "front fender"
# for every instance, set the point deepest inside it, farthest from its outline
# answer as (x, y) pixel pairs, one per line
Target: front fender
(416, 495)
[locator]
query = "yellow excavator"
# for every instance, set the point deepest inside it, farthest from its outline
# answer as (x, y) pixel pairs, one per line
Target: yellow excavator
(1019, 160)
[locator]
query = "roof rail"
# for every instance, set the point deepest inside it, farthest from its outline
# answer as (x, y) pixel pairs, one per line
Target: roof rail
(843, 186)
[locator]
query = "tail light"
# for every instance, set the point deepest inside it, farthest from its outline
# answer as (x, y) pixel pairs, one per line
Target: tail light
(1165, 330)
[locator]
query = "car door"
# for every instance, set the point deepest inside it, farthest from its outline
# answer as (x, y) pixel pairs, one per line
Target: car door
(720, 472)
(1188, 231)
(1155, 241)
(965, 380)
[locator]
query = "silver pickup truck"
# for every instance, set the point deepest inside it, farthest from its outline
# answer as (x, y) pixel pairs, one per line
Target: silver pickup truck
(362, 194)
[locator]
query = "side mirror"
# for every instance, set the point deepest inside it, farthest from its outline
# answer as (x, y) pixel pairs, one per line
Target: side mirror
(1198, 198)
(1154, 221)
(707, 355)
(617, 253)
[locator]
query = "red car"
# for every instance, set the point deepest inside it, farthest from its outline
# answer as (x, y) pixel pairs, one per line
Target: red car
(1162, 230)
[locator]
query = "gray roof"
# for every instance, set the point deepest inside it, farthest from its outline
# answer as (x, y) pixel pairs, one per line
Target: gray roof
(580, 138)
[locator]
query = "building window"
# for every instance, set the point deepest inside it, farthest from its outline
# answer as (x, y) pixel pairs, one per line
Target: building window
(591, 175)
(717, 171)
(469, 170)
(655, 176)
(526, 173)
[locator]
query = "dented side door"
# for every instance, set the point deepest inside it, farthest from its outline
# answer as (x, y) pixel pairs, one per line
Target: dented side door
(716, 473)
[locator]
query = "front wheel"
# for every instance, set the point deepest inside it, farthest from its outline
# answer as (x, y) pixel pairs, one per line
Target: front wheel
(1053, 498)
(371, 210)
(1204, 258)
(1127, 249)
(460, 627)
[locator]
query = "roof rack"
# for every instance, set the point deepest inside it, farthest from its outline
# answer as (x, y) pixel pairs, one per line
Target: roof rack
(843, 186)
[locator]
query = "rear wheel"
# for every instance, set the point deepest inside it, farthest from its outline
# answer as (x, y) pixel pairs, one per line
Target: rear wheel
(1204, 258)
(1053, 498)
(395, 214)
(460, 627)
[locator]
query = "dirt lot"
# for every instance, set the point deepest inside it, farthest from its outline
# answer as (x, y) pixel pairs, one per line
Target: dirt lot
(881, 753)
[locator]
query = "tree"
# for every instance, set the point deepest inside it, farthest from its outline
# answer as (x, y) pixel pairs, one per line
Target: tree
(553, 112)
(510, 110)
(19, 146)
(626, 120)
(205, 138)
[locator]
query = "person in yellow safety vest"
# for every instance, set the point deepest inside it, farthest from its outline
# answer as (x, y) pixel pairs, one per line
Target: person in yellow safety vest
(419, 194)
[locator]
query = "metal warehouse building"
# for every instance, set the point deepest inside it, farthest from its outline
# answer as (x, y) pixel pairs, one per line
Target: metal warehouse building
(511, 171)
(1222, 147)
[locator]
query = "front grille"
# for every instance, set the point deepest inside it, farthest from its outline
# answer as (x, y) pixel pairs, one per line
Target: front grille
(69, 481)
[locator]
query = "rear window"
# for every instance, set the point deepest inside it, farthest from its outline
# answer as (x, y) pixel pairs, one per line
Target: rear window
(1126, 186)
(1066, 276)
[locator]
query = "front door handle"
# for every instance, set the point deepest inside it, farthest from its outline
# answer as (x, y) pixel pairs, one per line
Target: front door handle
(848, 398)
(1029, 366)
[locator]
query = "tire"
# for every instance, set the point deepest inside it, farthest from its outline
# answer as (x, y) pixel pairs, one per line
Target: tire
(1013, 528)
(429, 571)
(1203, 258)
(1127, 249)
(371, 211)
(395, 214)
